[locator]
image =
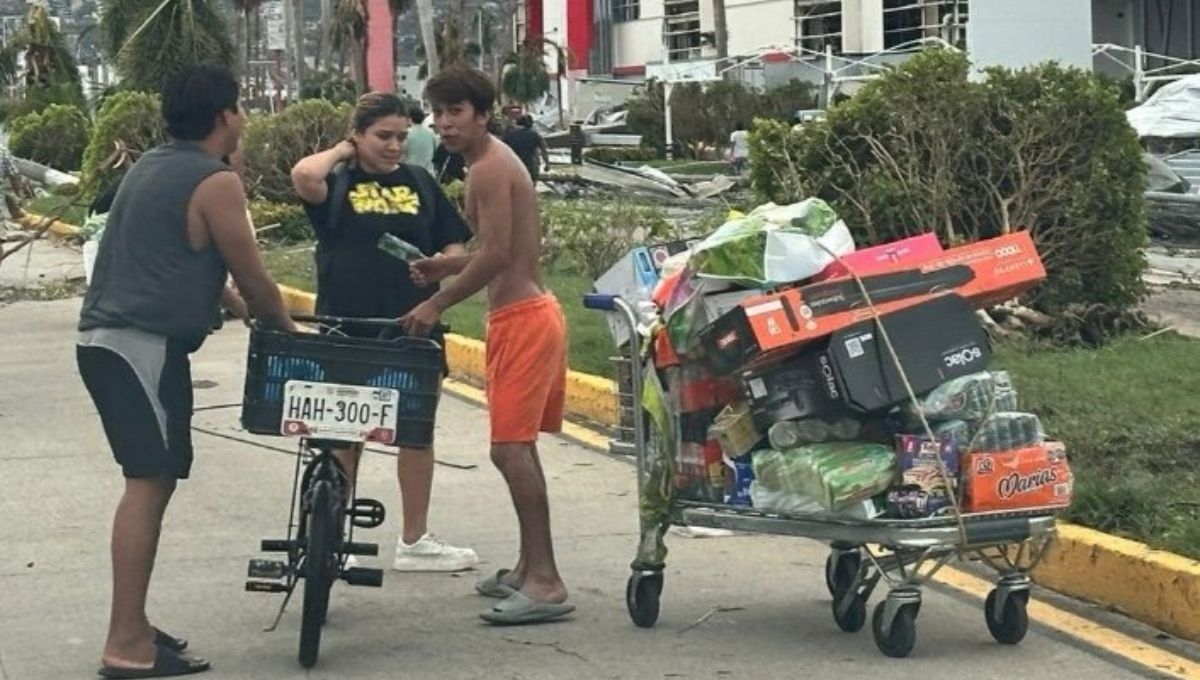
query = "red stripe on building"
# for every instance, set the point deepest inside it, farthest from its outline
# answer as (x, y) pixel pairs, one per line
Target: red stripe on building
(579, 32)
(533, 19)
(629, 70)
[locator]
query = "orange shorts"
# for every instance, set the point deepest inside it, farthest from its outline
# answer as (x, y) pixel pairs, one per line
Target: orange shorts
(526, 369)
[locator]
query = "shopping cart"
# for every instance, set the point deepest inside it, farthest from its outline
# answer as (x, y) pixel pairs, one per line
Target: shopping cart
(904, 554)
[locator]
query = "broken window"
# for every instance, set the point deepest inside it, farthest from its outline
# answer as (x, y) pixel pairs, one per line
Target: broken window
(819, 23)
(907, 21)
(627, 10)
(681, 29)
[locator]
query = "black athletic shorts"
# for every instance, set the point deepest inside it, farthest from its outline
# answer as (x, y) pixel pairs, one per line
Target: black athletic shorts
(141, 385)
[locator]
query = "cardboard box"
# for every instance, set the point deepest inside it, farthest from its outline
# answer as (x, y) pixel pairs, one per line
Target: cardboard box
(935, 341)
(1034, 477)
(917, 457)
(762, 328)
(633, 277)
(883, 257)
(734, 430)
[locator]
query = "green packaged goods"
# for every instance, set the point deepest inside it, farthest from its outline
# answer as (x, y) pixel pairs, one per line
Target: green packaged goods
(399, 248)
(1008, 431)
(971, 398)
(835, 474)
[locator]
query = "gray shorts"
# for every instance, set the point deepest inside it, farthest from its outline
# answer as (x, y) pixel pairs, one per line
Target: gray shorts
(141, 385)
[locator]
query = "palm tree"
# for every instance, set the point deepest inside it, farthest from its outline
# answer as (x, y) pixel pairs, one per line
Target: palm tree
(466, 51)
(523, 74)
(150, 43)
(428, 36)
(50, 74)
(348, 31)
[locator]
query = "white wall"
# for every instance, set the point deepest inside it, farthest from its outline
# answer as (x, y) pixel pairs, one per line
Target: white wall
(1019, 33)
(637, 43)
(757, 23)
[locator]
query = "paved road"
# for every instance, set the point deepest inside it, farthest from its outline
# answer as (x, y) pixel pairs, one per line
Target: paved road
(60, 487)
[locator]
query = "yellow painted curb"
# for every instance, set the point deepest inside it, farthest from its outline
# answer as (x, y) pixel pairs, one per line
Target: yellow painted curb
(1159, 588)
(588, 396)
(58, 228)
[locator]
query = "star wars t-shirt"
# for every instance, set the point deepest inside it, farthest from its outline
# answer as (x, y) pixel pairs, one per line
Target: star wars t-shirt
(357, 279)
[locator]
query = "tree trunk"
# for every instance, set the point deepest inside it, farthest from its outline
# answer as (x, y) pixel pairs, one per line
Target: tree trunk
(425, 17)
(298, 25)
(325, 56)
(720, 30)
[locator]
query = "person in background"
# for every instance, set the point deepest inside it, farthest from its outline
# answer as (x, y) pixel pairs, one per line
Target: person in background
(177, 228)
(357, 279)
(528, 145)
(739, 148)
(421, 142)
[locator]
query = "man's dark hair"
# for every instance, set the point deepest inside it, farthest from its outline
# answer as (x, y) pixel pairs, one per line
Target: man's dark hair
(416, 115)
(458, 84)
(525, 121)
(375, 106)
(193, 98)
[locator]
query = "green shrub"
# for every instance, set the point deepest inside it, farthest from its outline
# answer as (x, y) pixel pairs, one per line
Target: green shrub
(274, 143)
(924, 148)
(331, 86)
(280, 222)
(55, 137)
(127, 125)
(588, 236)
(703, 115)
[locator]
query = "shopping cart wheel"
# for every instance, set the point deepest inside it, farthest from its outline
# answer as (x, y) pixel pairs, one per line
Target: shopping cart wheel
(841, 567)
(900, 637)
(641, 597)
(1008, 625)
(852, 616)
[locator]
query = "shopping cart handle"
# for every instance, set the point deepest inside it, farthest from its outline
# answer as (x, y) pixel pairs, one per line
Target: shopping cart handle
(600, 301)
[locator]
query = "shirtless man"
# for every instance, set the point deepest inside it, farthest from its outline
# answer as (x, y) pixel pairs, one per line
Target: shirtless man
(526, 338)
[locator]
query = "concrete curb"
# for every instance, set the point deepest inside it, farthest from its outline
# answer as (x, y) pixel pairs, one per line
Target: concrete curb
(1156, 587)
(58, 228)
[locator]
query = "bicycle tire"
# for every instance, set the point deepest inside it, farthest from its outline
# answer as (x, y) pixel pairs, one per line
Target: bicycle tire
(318, 572)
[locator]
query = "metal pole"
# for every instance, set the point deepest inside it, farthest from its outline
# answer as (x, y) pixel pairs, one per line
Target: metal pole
(668, 87)
(1139, 75)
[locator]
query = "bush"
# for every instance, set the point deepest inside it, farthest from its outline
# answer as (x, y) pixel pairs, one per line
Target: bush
(127, 125)
(588, 236)
(56, 137)
(274, 143)
(925, 149)
(331, 86)
(703, 116)
(280, 222)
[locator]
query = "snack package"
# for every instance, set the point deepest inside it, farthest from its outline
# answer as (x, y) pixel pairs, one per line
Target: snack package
(970, 398)
(1033, 477)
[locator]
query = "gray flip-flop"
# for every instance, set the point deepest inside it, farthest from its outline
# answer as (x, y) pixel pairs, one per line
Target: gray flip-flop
(494, 586)
(519, 609)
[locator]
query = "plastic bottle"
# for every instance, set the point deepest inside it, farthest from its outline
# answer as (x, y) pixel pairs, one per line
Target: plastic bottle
(399, 248)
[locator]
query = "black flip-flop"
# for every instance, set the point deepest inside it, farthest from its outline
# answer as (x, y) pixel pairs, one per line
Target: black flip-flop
(167, 663)
(175, 644)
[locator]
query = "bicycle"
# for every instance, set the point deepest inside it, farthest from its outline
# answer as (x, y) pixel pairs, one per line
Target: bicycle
(332, 391)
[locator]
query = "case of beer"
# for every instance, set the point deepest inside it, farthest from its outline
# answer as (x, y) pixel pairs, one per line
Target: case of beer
(1033, 477)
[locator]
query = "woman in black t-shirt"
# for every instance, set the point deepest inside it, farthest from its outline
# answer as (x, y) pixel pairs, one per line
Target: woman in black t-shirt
(357, 279)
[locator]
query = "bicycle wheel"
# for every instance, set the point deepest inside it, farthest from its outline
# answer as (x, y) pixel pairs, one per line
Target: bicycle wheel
(319, 570)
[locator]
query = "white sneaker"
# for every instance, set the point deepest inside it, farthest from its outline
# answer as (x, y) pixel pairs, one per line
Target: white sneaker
(431, 553)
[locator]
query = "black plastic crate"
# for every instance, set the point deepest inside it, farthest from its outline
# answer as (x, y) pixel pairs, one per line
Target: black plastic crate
(412, 366)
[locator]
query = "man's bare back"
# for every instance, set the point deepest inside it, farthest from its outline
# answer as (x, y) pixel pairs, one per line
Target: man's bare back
(497, 171)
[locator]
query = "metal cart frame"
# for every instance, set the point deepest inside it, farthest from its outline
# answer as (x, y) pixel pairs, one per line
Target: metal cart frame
(905, 554)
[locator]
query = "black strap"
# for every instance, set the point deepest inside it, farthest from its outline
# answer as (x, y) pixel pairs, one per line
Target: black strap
(337, 196)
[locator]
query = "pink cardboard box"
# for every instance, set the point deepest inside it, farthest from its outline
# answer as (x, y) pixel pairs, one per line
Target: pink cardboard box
(872, 260)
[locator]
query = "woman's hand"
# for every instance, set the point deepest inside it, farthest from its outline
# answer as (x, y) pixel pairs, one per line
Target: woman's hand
(346, 150)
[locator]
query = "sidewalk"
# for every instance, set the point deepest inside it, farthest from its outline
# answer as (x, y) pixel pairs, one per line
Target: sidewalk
(62, 485)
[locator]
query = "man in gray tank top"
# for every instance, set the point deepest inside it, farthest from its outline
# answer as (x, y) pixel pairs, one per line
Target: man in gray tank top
(177, 229)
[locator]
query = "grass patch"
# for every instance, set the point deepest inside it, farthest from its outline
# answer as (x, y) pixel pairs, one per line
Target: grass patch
(1128, 412)
(51, 203)
(55, 290)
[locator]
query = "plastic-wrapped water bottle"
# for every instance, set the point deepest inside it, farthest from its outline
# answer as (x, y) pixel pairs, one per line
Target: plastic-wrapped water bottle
(399, 248)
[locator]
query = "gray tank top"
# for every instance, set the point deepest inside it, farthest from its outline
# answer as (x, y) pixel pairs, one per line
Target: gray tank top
(147, 276)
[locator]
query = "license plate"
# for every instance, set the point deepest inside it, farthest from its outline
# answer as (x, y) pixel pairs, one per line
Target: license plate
(344, 412)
